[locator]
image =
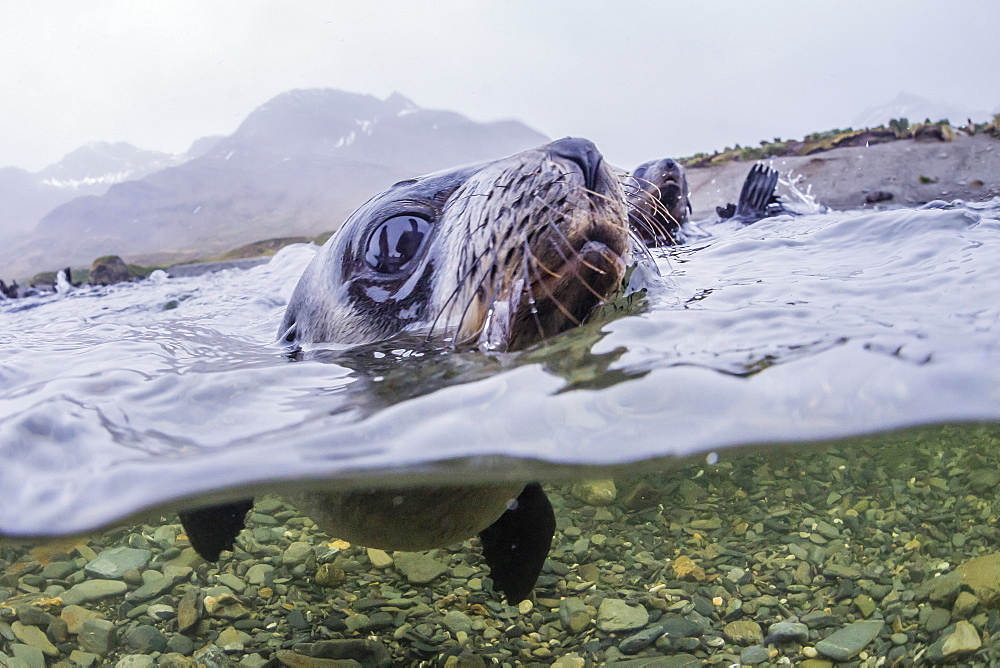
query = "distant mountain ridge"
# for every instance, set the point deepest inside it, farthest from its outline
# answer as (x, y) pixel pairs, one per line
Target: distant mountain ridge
(297, 165)
(104, 163)
(88, 170)
(918, 109)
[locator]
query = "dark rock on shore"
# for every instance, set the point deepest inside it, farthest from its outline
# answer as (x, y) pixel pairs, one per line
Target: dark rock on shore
(108, 270)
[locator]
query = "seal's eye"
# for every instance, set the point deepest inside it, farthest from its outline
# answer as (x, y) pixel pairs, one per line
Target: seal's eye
(395, 242)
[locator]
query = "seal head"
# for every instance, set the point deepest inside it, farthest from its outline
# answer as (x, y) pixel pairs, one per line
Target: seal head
(658, 200)
(505, 253)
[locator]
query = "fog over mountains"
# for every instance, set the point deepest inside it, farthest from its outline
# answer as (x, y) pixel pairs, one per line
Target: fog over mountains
(298, 165)
(89, 170)
(917, 109)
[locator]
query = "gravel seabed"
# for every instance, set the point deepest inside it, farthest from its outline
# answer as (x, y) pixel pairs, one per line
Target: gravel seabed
(884, 551)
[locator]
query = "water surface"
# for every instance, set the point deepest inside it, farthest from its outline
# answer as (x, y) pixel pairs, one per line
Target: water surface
(793, 330)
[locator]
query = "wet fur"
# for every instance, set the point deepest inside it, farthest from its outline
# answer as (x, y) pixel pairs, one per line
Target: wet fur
(659, 203)
(524, 232)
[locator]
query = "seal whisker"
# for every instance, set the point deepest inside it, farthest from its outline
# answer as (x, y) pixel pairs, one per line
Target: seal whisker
(584, 282)
(566, 259)
(653, 227)
(652, 198)
(576, 274)
(656, 205)
(546, 268)
(590, 191)
(479, 284)
(525, 255)
(555, 300)
(594, 193)
(450, 300)
(639, 245)
(551, 225)
(578, 257)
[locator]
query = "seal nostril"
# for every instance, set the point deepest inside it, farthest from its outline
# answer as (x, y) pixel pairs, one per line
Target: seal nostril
(583, 153)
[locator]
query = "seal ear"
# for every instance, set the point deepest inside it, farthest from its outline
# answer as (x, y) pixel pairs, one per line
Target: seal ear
(515, 546)
(213, 529)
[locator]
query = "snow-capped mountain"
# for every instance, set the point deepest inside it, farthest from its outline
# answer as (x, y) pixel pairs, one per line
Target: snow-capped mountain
(333, 124)
(102, 164)
(917, 109)
(88, 170)
(297, 165)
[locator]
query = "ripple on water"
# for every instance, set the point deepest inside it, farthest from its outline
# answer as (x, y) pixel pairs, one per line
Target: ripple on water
(793, 329)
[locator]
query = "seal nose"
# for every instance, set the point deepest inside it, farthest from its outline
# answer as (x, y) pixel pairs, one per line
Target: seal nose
(583, 153)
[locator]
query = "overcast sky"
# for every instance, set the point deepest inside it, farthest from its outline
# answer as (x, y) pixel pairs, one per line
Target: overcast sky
(642, 79)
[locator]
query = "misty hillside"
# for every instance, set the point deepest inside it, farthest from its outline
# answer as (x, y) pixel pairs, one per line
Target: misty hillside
(298, 165)
(104, 164)
(89, 170)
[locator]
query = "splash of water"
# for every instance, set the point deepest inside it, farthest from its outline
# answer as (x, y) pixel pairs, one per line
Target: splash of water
(795, 198)
(63, 286)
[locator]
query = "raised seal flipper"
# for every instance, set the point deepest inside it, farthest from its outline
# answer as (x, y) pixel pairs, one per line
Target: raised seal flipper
(757, 194)
(212, 529)
(515, 546)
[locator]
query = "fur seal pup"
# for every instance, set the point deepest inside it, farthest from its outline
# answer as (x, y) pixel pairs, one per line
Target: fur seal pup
(502, 255)
(660, 204)
(659, 201)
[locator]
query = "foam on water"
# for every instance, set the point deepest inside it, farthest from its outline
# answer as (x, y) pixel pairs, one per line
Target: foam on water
(791, 330)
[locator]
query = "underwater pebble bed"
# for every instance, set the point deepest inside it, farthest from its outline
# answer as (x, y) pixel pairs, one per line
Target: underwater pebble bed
(881, 552)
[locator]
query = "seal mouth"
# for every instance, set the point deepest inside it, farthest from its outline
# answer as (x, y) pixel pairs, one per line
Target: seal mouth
(555, 300)
(670, 193)
(673, 178)
(669, 185)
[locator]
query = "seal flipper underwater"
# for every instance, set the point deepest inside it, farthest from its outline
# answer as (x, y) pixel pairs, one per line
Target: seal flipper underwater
(514, 547)
(212, 529)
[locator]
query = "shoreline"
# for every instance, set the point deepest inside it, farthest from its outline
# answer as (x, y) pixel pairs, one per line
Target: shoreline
(905, 172)
(913, 171)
